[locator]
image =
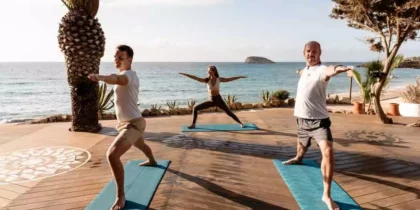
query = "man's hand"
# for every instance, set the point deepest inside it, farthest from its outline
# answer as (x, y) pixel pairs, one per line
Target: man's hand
(350, 73)
(341, 69)
(93, 77)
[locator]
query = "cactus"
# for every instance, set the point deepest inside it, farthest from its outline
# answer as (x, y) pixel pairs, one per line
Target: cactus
(104, 99)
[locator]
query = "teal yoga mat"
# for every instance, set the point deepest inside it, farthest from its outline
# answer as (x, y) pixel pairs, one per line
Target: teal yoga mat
(140, 184)
(220, 127)
(305, 183)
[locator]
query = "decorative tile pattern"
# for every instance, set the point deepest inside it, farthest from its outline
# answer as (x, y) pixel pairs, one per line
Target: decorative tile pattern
(372, 137)
(38, 163)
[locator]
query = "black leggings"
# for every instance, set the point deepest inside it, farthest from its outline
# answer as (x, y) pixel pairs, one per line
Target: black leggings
(215, 101)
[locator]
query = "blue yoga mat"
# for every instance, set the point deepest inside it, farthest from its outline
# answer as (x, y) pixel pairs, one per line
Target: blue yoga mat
(305, 183)
(220, 127)
(140, 184)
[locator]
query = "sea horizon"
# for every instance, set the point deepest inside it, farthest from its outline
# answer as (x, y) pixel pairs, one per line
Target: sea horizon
(27, 87)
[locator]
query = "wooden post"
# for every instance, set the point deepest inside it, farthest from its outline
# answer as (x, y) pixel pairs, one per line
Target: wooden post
(351, 85)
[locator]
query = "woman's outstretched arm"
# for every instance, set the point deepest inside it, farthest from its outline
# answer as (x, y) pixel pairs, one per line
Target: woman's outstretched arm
(194, 77)
(230, 79)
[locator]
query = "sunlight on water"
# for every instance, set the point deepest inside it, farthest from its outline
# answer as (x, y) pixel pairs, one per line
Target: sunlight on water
(29, 90)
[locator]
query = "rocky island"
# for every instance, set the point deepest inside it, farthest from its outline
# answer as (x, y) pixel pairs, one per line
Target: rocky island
(258, 60)
(411, 63)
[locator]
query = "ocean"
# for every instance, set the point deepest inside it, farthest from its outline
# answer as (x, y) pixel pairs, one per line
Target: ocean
(31, 90)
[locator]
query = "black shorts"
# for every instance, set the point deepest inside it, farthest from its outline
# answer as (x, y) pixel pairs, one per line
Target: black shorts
(308, 129)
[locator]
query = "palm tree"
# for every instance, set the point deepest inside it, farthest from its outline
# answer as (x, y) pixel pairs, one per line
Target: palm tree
(82, 41)
(365, 86)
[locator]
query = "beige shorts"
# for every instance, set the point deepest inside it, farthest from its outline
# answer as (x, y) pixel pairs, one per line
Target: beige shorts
(132, 130)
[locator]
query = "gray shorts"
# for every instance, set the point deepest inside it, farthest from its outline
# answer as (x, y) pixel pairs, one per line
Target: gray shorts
(308, 129)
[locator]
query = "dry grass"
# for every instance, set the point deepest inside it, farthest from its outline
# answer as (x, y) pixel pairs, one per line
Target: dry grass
(412, 93)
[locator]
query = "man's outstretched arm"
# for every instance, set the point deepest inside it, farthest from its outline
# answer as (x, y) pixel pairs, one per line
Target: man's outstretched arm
(112, 79)
(331, 71)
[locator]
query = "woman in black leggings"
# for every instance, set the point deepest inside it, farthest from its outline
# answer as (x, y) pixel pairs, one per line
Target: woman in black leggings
(213, 86)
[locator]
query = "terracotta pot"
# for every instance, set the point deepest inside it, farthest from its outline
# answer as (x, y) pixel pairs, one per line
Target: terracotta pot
(358, 108)
(394, 109)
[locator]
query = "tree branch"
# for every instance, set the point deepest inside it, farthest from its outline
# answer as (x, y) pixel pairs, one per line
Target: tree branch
(380, 31)
(398, 35)
(371, 21)
(386, 44)
(390, 33)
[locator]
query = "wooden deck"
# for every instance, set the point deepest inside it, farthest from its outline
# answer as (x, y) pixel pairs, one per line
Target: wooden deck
(378, 165)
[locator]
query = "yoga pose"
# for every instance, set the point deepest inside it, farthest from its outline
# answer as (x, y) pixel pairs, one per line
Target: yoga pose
(131, 124)
(213, 86)
(312, 114)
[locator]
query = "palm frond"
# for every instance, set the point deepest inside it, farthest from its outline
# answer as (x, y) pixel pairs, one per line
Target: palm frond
(65, 2)
(364, 86)
(396, 61)
(90, 6)
(357, 78)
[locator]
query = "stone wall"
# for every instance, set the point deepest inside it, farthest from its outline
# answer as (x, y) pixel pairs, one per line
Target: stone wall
(334, 99)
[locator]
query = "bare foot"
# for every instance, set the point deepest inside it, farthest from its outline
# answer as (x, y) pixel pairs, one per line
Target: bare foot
(119, 204)
(292, 161)
(191, 126)
(148, 163)
(330, 203)
(242, 125)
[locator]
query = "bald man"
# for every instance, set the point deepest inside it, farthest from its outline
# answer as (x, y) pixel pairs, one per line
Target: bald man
(312, 115)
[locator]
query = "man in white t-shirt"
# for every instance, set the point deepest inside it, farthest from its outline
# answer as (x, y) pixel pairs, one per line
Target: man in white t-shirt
(312, 115)
(131, 124)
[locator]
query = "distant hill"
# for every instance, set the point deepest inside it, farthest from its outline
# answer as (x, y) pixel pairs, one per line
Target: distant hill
(411, 63)
(258, 60)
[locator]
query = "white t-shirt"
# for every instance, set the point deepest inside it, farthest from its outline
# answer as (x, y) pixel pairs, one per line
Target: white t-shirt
(126, 97)
(311, 94)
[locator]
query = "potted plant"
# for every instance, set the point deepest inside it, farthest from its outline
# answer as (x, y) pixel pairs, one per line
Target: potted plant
(411, 97)
(365, 87)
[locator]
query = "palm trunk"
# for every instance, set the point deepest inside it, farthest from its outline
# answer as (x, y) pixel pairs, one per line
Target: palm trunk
(84, 104)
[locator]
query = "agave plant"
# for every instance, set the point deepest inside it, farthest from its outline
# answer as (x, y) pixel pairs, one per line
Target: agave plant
(155, 107)
(265, 95)
(230, 100)
(172, 105)
(105, 99)
(191, 104)
(82, 40)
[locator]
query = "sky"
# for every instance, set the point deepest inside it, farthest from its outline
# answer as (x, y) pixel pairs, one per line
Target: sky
(191, 30)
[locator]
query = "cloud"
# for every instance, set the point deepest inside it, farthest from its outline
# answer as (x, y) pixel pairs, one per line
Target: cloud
(114, 3)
